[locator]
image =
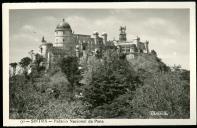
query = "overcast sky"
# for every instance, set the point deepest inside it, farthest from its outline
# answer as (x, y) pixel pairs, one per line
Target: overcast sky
(166, 29)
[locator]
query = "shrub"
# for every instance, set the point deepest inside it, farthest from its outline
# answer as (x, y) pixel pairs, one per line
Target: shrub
(63, 110)
(109, 80)
(165, 92)
(70, 67)
(24, 98)
(120, 107)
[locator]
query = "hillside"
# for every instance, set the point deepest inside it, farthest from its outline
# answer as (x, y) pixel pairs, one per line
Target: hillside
(108, 87)
(148, 62)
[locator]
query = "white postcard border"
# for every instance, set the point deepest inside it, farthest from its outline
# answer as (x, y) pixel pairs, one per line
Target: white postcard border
(107, 5)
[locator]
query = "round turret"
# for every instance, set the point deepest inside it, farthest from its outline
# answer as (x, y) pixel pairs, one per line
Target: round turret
(104, 34)
(63, 34)
(44, 47)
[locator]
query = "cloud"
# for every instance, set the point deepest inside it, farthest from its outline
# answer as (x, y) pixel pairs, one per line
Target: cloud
(21, 44)
(175, 58)
(28, 28)
(169, 41)
(24, 37)
(156, 21)
(160, 26)
(49, 18)
(174, 53)
(84, 25)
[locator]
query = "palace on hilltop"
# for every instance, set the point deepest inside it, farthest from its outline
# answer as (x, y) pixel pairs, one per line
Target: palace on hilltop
(80, 45)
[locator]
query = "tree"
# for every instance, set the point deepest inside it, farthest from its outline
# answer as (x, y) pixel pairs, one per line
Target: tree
(69, 65)
(110, 80)
(13, 65)
(89, 67)
(38, 60)
(153, 52)
(24, 63)
(164, 92)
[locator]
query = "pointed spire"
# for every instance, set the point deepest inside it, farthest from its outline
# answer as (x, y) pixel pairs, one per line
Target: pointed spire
(43, 40)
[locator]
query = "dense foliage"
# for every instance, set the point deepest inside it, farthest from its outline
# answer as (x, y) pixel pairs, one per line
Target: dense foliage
(69, 66)
(25, 62)
(111, 79)
(111, 86)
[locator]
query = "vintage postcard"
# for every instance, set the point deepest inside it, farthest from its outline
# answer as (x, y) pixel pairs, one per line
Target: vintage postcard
(82, 64)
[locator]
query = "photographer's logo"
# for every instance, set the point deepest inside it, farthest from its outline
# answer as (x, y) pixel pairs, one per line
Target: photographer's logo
(158, 113)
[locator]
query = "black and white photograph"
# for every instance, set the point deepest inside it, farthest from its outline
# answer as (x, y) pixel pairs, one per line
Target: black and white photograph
(89, 65)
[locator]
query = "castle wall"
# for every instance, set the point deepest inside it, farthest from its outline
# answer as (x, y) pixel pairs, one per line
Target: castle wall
(79, 38)
(141, 47)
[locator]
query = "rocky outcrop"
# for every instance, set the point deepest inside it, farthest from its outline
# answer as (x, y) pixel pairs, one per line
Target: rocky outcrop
(147, 62)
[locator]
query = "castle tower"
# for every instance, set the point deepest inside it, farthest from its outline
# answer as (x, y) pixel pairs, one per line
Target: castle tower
(138, 45)
(96, 37)
(44, 47)
(63, 35)
(104, 35)
(138, 39)
(122, 35)
(147, 48)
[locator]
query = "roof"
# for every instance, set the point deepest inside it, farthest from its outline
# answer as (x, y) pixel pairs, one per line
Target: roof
(46, 44)
(63, 26)
(83, 35)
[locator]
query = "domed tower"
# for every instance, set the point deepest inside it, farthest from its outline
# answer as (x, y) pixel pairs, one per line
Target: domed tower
(63, 35)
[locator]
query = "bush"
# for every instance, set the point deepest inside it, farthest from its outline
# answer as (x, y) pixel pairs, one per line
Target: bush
(111, 79)
(70, 67)
(119, 108)
(24, 99)
(164, 92)
(63, 110)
